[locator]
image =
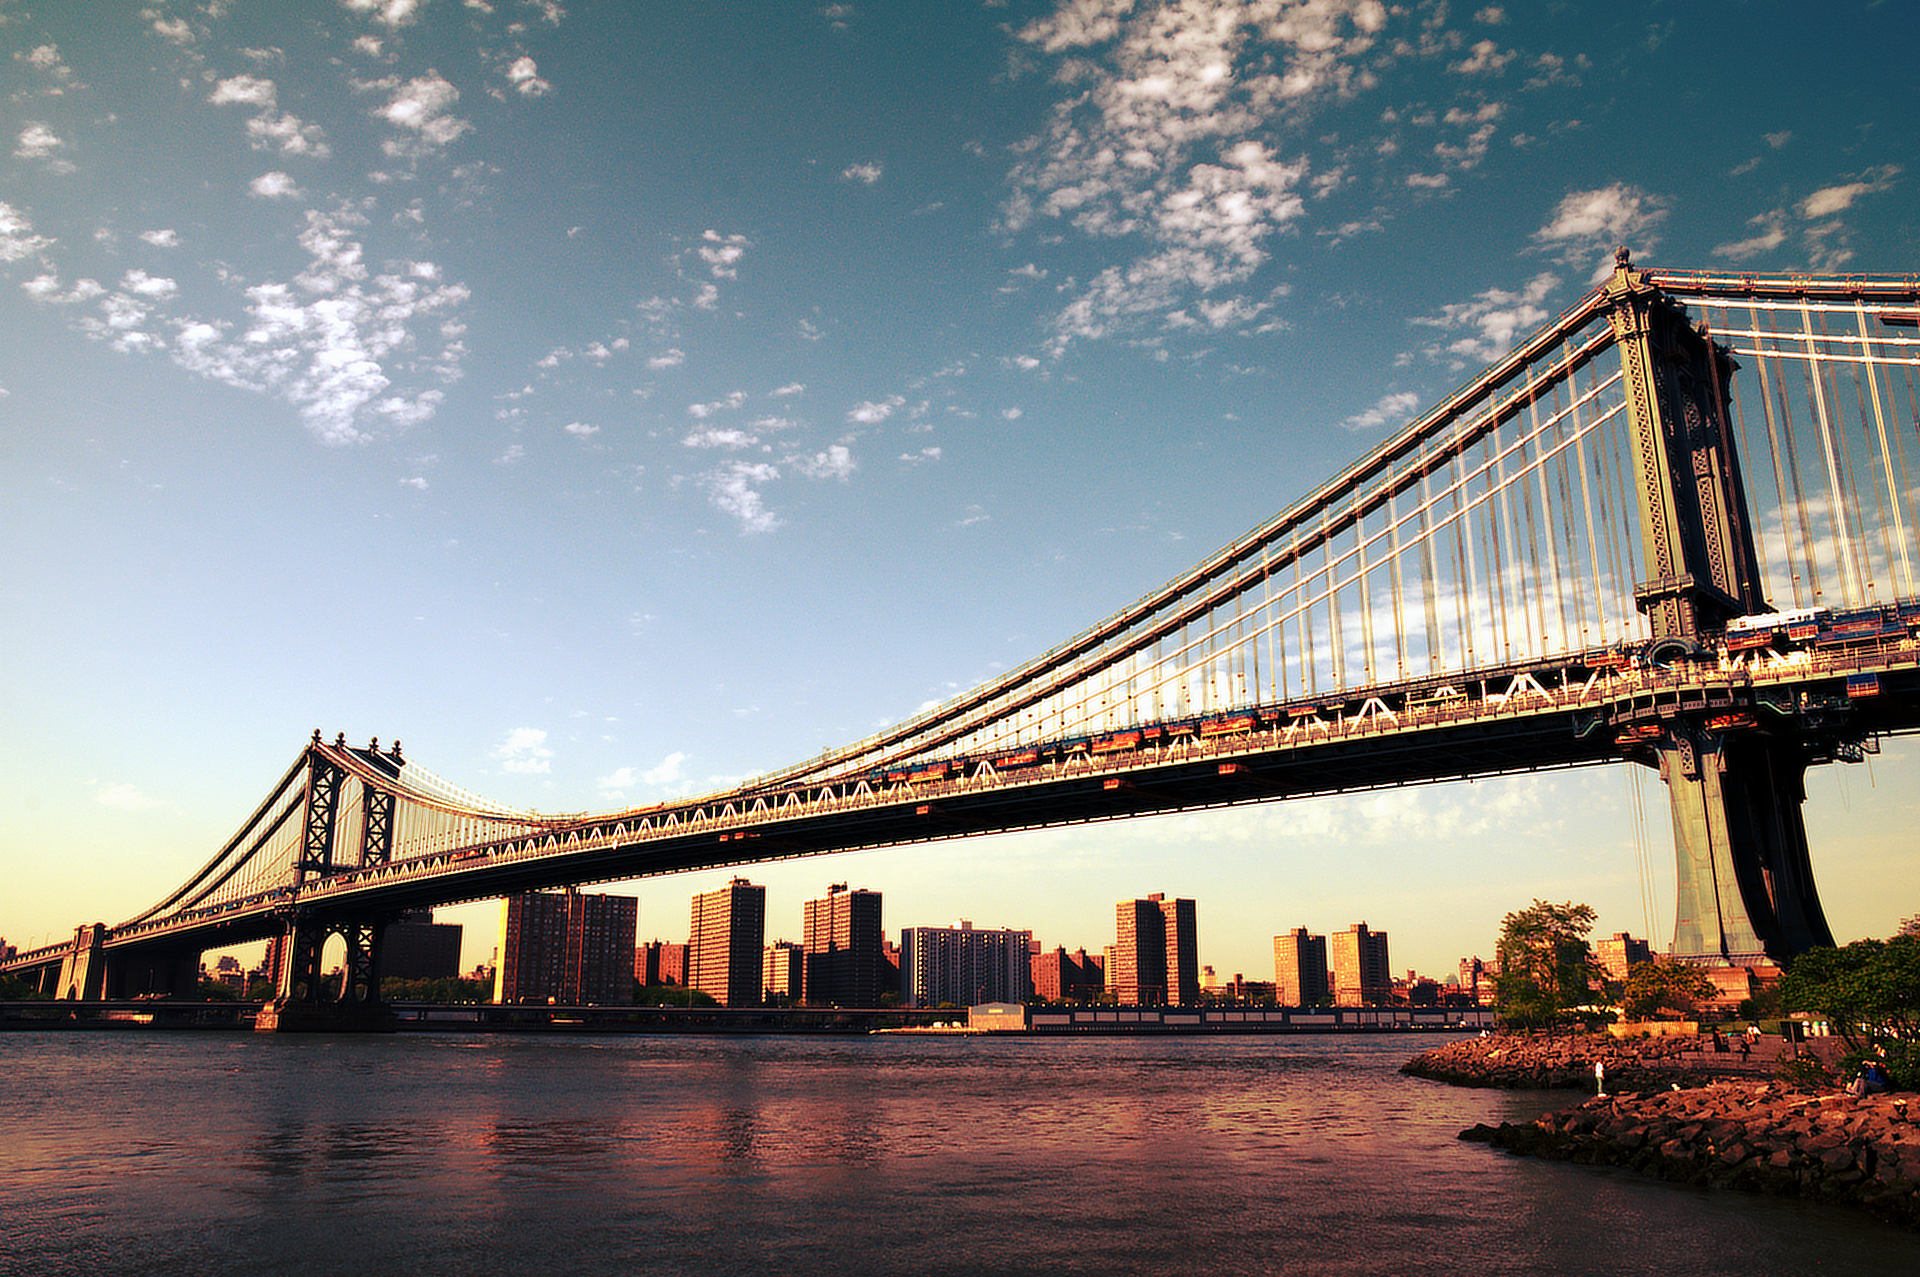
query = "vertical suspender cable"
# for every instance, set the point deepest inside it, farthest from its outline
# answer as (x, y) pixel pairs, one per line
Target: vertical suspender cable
(1836, 493)
(1586, 506)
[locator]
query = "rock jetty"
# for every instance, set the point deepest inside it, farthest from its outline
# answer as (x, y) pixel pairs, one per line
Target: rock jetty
(1679, 1112)
(1566, 1061)
(1767, 1137)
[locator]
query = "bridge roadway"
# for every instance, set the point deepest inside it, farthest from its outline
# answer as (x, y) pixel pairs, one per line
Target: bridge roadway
(1524, 718)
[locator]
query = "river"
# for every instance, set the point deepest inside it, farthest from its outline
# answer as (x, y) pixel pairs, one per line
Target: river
(214, 1153)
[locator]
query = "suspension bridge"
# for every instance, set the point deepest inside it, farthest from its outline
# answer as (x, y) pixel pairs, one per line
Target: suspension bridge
(1674, 528)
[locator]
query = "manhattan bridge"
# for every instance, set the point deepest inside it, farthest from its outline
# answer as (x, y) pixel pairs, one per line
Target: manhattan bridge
(1676, 528)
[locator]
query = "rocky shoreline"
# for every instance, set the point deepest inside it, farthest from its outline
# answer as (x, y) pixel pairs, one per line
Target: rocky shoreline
(1668, 1115)
(1566, 1061)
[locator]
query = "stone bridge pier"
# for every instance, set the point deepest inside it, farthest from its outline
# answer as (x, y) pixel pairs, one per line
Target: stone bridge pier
(90, 972)
(309, 1000)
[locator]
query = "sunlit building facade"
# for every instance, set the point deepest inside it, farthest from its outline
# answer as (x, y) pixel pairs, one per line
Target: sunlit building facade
(725, 941)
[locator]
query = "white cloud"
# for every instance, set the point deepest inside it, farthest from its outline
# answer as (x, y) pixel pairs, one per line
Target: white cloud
(167, 238)
(523, 751)
(390, 13)
(418, 483)
(36, 142)
(713, 437)
(867, 174)
(835, 463)
(274, 186)
(352, 348)
(138, 281)
(722, 253)
(1603, 218)
(17, 239)
(734, 489)
(1392, 410)
(524, 76)
(269, 129)
(245, 90)
(791, 388)
(581, 430)
(421, 106)
(874, 412)
(1494, 319)
(668, 771)
(701, 411)
(1772, 234)
(1484, 58)
(1838, 199)
(1165, 134)
(671, 358)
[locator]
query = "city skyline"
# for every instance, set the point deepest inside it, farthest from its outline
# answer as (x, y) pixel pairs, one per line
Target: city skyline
(617, 405)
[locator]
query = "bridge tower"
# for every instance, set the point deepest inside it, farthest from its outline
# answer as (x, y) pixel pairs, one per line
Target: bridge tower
(304, 1000)
(1745, 893)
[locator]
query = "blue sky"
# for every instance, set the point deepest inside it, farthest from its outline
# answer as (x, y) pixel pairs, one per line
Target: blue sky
(616, 401)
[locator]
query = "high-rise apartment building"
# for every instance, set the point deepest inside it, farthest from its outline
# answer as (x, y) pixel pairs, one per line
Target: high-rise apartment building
(1361, 976)
(1060, 976)
(566, 948)
(1477, 981)
(1138, 973)
(964, 965)
(782, 971)
(658, 962)
(1156, 953)
(415, 947)
(841, 936)
(724, 943)
(1300, 969)
(1619, 953)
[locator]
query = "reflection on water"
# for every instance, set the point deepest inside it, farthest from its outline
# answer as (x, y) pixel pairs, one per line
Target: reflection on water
(236, 1154)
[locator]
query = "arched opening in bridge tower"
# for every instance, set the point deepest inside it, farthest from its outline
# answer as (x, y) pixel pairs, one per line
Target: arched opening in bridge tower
(333, 968)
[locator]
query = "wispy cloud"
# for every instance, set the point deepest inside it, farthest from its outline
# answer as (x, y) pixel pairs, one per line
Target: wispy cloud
(523, 751)
(1492, 320)
(1392, 410)
(422, 107)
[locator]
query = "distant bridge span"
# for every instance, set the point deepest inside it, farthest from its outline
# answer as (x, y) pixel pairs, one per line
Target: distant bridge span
(1559, 565)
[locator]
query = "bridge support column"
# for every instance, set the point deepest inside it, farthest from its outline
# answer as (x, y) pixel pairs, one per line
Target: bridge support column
(309, 1001)
(83, 971)
(1744, 882)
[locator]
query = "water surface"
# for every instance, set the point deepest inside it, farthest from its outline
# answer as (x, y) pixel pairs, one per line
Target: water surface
(231, 1153)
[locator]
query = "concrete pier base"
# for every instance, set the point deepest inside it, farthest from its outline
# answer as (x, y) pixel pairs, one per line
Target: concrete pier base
(284, 1015)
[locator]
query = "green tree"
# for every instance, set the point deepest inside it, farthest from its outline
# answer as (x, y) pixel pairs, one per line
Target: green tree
(14, 989)
(1546, 966)
(1869, 991)
(674, 995)
(436, 989)
(1664, 985)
